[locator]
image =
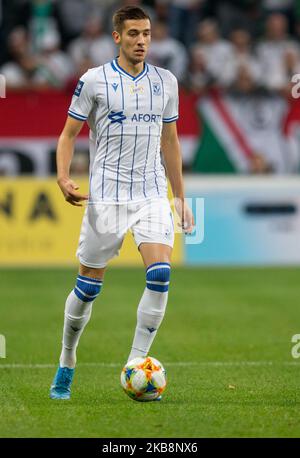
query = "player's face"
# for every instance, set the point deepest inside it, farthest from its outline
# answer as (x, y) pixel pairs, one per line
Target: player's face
(135, 40)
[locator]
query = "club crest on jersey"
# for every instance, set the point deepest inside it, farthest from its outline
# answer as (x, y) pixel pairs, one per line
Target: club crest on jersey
(115, 86)
(78, 88)
(136, 89)
(156, 88)
(116, 116)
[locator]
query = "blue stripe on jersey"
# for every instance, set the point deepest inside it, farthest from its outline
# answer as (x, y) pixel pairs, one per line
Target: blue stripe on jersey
(144, 186)
(151, 104)
(121, 70)
(99, 135)
(107, 94)
(90, 185)
(142, 74)
(121, 80)
(76, 116)
(170, 119)
(163, 89)
(121, 144)
(107, 137)
(156, 152)
(131, 184)
(113, 65)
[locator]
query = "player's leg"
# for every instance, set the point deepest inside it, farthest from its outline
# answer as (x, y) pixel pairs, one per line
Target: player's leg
(155, 243)
(78, 310)
(97, 245)
(152, 306)
(153, 253)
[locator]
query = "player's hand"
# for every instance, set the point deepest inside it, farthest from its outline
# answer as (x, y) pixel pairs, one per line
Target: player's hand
(69, 189)
(185, 214)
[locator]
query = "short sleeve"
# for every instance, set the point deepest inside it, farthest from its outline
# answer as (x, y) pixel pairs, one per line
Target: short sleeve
(171, 109)
(83, 98)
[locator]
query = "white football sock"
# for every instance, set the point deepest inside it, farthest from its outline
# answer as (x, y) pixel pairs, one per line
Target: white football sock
(77, 315)
(78, 311)
(150, 314)
(151, 309)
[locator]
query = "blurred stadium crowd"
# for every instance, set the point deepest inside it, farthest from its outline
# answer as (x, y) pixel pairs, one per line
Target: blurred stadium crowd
(245, 51)
(234, 44)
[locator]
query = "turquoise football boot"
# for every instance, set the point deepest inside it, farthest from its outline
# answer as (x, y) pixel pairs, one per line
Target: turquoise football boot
(61, 386)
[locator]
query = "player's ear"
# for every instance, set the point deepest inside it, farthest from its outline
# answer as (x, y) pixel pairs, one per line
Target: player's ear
(116, 37)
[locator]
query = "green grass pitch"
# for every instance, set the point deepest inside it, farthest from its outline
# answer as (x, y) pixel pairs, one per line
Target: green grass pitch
(225, 343)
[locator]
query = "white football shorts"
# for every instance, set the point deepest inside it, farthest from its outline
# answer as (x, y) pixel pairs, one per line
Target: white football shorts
(105, 225)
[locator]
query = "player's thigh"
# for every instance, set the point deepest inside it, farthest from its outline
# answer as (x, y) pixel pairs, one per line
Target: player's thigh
(155, 252)
(154, 232)
(101, 237)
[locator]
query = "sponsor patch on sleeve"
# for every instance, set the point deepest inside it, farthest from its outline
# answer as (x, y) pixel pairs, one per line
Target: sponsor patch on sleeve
(78, 88)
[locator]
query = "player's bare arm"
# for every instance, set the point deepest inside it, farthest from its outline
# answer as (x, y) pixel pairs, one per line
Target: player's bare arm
(64, 154)
(172, 156)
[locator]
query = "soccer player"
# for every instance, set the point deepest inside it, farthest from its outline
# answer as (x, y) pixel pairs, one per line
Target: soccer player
(131, 108)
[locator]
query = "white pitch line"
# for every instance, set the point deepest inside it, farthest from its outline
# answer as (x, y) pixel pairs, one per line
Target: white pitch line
(175, 364)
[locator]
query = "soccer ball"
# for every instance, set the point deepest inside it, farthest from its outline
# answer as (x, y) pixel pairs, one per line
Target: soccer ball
(143, 379)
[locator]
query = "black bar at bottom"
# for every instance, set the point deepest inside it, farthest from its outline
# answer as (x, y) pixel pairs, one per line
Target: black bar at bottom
(85, 448)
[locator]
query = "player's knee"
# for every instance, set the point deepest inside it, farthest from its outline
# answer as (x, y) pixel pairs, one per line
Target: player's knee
(158, 277)
(87, 289)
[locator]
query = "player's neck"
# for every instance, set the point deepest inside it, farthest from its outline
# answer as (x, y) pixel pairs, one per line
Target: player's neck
(132, 69)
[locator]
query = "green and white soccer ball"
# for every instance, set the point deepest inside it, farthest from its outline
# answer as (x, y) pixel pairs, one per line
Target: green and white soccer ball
(143, 379)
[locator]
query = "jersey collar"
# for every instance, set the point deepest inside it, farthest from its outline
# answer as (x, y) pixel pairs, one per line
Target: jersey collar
(119, 69)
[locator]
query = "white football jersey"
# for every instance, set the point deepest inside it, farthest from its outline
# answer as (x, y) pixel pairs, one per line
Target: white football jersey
(125, 115)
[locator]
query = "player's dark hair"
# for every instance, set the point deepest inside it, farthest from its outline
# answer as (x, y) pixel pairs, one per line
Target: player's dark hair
(127, 13)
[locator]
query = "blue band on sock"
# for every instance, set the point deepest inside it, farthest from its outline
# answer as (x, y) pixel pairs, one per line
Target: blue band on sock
(93, 280)
(159, 264)
(158, 277)
(87, 289)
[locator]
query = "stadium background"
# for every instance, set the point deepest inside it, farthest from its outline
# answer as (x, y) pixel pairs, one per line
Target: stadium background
(240, 134)
(234, 61)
